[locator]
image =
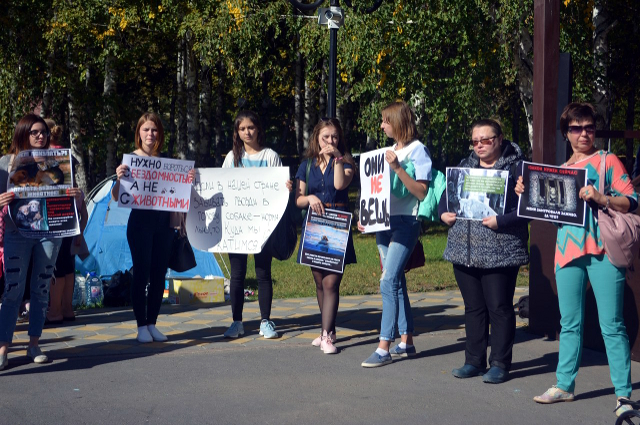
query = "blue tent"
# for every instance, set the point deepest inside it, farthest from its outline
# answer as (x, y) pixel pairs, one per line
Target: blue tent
(106, 236)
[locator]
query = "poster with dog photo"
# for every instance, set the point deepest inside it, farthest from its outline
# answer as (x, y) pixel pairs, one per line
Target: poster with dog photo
(45, 217)
(475, 193)
(41, 173)
(41, 208)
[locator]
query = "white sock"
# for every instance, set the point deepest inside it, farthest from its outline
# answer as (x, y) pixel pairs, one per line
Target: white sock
(382, 352)
(156, 334)
(403, 345)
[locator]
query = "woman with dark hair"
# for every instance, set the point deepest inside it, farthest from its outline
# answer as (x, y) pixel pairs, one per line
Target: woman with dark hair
(249, 151)
(150, 234)
(396, 244)
(581, 258)
(30, 133)
(323, 182)
(486, 256)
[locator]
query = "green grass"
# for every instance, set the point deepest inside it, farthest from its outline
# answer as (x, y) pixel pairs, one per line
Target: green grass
(292, 280)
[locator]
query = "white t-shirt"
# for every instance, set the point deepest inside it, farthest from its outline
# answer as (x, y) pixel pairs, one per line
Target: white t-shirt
(265, 158)
(418, 154)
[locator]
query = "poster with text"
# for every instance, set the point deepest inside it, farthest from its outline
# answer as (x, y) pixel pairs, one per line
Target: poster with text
(375, 190)
(324, 241)
(234, 210)
(155, 183)
(37, 218)
(551, 194)
(476, 193)
(41, 173)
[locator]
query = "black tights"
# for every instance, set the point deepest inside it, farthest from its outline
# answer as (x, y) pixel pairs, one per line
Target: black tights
(265, 285)
(328, 294)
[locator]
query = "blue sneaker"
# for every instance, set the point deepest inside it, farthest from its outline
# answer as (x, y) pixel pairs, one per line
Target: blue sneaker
(403, 352)
(268, 329)
(376, 360)
(467, 371)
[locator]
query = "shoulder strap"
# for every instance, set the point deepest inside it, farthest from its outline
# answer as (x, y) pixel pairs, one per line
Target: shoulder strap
(603, 169)
(306, 181)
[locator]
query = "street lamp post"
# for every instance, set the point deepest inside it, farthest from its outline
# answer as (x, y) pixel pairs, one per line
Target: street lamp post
(333, 17)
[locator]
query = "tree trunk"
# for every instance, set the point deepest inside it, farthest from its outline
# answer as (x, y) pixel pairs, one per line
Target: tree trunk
(299, 99)
(77, 148)
(602, 24)
(204, 147)
(310, 115)
(110, 124)
(322, 95)
(47, 96)
(522, 54)
(193, 113)
(219, 140)
(181, 112)
(172, 119)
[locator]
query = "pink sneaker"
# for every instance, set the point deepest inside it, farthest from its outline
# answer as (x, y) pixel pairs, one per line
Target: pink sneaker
(316, 342)
(326, 344)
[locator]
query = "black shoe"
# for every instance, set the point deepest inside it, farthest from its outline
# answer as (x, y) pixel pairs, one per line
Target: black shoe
(467, 371)
(495, 375)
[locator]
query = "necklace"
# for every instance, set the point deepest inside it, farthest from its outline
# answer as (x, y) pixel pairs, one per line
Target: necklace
(580, 160)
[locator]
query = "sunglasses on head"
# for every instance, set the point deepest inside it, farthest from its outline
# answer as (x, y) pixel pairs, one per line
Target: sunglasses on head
(577, 129)
(485, 142)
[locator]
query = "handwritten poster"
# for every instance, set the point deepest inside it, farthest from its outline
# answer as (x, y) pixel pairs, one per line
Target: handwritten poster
(155, 183)
(375, 190)
(551, 194)
(325, 239)
(234, 210)
(476, 193)
(41, 208)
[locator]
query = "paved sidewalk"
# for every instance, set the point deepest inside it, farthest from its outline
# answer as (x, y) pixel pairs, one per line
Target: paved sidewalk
(113, 331)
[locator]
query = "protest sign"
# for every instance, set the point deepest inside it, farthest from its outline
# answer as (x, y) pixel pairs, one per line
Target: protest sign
(375, 190)
(41, 208)
(476, 193)
(234, 210)
(154, 183)
(324, 241)
(551, 194)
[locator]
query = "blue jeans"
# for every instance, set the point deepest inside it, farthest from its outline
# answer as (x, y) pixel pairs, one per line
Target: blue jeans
(18, 252)
(395, 246)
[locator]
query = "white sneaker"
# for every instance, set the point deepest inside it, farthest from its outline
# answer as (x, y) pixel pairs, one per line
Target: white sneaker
(156, 334)
(36, 354)
(144, 336)
(235, 330)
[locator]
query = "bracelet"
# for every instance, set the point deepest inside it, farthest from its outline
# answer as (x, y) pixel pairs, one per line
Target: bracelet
(606, 207)
(339, 158)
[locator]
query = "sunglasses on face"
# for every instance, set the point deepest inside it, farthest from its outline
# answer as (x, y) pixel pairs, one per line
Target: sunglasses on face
(36, 133)
(577, 129)
(485, 142)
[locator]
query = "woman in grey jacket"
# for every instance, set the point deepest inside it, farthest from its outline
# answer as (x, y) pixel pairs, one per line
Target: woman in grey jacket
(486, 256)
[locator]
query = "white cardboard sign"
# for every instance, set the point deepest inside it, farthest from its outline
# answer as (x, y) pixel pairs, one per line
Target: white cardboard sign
(375, 191)
(155, 183)
(234, 210)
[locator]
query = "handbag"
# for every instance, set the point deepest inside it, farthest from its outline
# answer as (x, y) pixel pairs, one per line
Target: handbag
(284, 238)
(620, 232)
(416, 259)
(182, 256)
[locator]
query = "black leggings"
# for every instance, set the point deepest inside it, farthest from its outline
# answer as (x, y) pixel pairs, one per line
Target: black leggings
(150, 238)
(328, 294)
(265, 285)
(488, 298)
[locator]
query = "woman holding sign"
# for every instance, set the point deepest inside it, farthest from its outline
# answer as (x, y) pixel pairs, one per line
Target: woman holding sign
(150, 234)
(249, 151)
(396, 244)
(486, 256)
(323, 182)
(581, 258)
(30, 133)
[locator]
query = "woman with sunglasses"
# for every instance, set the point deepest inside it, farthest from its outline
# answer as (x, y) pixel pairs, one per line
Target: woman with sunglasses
(580, 258)
(486, 256)
(31, 133)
